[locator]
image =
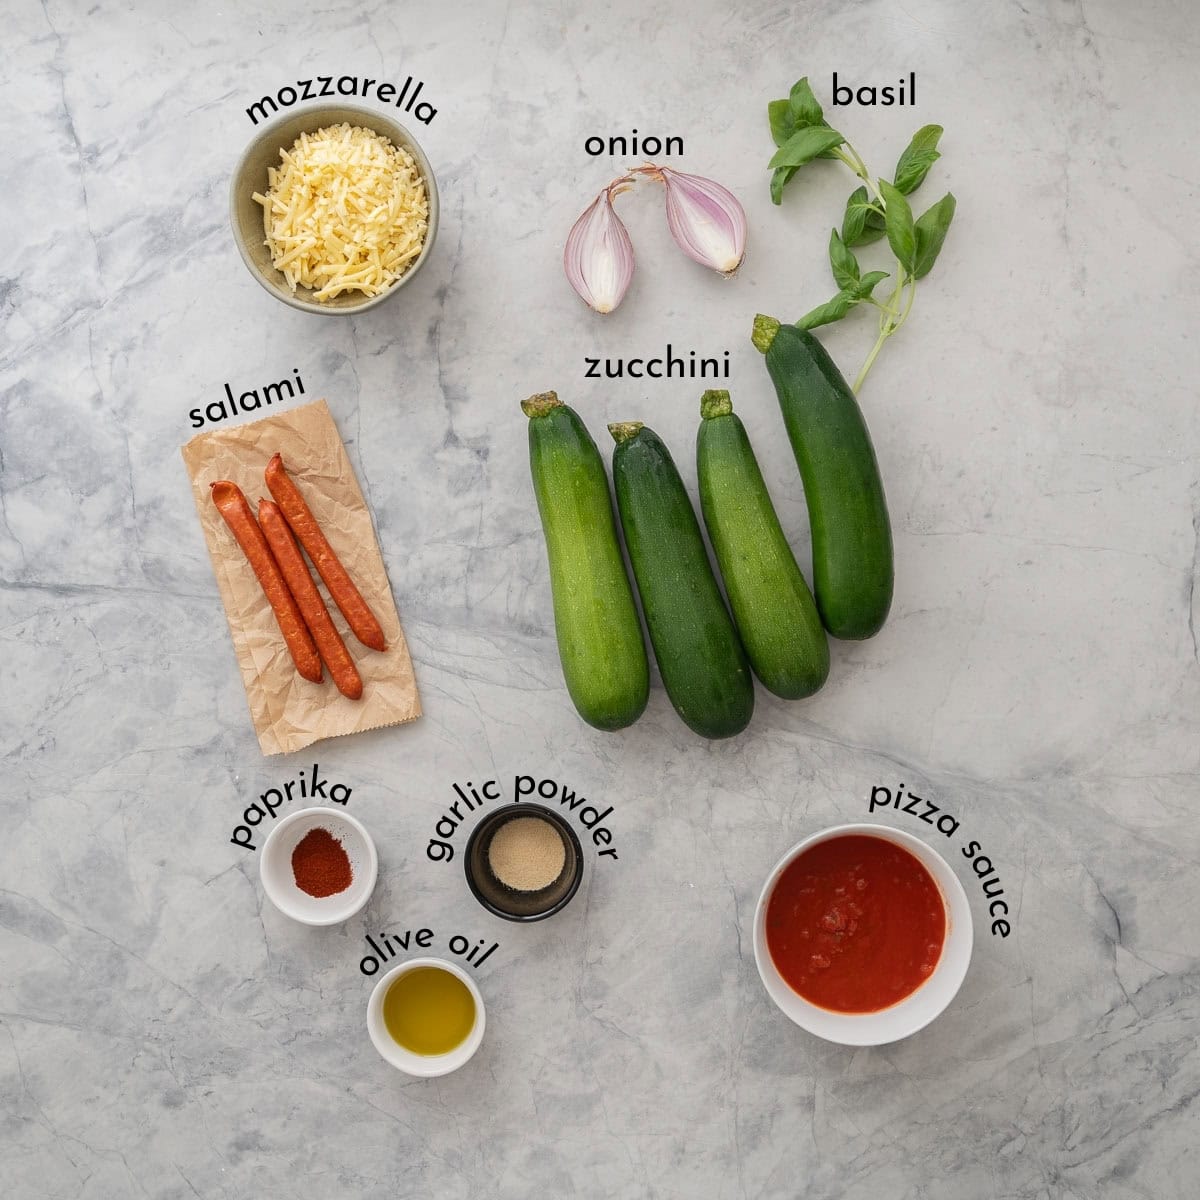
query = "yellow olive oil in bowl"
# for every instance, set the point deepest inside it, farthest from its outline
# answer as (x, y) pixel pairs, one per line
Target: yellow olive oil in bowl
(429, 1011)
(426, 1017)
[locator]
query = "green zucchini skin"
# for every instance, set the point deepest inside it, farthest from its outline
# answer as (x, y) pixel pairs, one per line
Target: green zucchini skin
(853, 572)
(595, 617)
(700, 658)
(772, 606)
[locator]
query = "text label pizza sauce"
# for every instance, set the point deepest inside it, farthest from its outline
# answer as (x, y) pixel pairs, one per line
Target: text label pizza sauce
(855, 924)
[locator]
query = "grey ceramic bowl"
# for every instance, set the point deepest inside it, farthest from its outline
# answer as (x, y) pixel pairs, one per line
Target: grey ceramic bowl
(250, 176)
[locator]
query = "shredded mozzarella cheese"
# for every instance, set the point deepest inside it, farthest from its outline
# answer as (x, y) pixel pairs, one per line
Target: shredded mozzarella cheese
(346, 211)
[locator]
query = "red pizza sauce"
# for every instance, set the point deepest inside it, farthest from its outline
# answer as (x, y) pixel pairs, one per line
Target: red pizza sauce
(855, 924)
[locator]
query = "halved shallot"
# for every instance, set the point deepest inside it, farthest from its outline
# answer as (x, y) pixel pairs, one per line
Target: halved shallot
(706, 220)
(598, 257)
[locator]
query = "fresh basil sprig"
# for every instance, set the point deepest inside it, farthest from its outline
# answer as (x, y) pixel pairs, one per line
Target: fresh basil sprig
(878, 208)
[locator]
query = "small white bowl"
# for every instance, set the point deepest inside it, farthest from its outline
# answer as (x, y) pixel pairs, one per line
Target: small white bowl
(279, 881)
(918, 1008)
(426, 1066)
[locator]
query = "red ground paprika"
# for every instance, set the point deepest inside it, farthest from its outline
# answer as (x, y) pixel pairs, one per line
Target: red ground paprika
(320, 864)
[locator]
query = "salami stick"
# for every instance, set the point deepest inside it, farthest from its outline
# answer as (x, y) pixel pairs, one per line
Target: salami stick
(234, 507)
(341, 587)
(312, 608)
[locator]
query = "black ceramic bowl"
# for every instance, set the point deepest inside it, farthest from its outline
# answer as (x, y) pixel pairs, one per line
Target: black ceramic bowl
(504, 901)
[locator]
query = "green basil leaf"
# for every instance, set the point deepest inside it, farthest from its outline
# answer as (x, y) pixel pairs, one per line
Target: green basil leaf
(843, 264)
(898, 222)
(804, 145)
(911, 174)
(869, 282)
(855, 218)
(783, 122)
(872, 231)
(868, 236)
(917, 158)
(779, 179)
(805, 112)
(931, 233)
(827, 313)
(805, 108)
(861, 224)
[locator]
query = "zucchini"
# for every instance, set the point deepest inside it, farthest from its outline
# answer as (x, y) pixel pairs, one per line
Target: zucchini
(700, 658)
(595, 618)
(853, 573)
(772, 606)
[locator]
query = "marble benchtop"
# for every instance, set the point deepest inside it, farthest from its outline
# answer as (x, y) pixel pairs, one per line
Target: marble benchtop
(165, 1033)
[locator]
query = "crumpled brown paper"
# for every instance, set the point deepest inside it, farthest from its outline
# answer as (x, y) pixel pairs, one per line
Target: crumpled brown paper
(289, 712)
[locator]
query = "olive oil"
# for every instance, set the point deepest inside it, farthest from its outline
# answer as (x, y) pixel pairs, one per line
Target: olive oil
(429, 1011)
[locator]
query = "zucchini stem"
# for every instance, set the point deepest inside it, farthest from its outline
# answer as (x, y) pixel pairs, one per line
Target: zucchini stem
(622, 431)
(715, 403)
(540, 404)
(763, 334)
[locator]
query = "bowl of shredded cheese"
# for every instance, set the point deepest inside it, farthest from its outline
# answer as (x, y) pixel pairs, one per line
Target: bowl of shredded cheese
(334, 209)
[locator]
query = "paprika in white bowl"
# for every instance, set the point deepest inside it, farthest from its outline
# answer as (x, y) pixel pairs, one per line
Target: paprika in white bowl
(319, 866)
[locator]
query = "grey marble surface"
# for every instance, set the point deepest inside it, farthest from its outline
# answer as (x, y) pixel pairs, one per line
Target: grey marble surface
(166, 1033)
